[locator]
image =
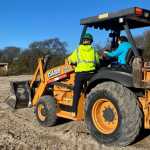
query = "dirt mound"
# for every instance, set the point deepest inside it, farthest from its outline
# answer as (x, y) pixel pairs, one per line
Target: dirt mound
(19, 130)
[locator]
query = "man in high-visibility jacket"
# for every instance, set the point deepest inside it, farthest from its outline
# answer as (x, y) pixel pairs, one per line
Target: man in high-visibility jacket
(86, 60)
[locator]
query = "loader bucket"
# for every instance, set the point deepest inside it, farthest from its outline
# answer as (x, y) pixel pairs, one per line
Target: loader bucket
(20, 95)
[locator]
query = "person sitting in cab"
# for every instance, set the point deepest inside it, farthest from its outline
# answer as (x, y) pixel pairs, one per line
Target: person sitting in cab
(121, 52)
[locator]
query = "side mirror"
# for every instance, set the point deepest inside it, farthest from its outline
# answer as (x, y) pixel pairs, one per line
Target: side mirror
(111, 35)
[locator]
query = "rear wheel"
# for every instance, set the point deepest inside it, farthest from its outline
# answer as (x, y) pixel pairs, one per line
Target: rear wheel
(46, 111)
(105, 116)
(112, 114)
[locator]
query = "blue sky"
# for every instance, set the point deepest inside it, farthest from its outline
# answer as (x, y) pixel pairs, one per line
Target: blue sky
(25, 21)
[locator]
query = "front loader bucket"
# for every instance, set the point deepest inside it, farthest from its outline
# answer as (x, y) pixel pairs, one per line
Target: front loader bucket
(20, 95)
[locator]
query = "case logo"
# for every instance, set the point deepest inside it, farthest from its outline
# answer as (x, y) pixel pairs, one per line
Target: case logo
(54, 72)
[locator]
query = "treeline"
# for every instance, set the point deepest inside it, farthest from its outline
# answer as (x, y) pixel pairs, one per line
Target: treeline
(24, 61)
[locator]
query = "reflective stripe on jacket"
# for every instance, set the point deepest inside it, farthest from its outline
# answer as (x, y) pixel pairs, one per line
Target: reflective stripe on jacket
(85, 57)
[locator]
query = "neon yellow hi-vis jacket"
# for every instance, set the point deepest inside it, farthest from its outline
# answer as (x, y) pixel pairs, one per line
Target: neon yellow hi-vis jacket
(85, 57)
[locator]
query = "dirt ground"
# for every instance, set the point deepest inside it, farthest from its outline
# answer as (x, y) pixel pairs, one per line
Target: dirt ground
(19, 130)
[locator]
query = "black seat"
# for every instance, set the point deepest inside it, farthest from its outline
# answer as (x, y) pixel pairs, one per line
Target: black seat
(130, 56)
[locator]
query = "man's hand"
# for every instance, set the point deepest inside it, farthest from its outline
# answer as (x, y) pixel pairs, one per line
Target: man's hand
(105, 56)
(105, 52)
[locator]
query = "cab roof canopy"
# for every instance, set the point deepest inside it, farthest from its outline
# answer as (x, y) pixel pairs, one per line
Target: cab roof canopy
(135, 18)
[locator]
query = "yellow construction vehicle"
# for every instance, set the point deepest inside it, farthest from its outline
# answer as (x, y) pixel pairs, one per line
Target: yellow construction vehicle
(115, 104)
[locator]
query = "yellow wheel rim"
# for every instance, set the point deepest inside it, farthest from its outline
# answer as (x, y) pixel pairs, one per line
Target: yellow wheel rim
(41, 116)
(105, 116)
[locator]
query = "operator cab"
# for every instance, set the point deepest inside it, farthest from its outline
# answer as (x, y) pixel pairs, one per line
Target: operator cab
(117, 22)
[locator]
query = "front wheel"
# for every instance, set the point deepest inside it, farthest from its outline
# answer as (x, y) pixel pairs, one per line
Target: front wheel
(46, 111)
(112, 114)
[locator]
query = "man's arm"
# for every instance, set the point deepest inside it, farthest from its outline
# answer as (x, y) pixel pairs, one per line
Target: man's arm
(114, 53)
(97, 58)
(73, 57)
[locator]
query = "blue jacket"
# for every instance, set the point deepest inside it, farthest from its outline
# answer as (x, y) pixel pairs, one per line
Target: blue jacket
(120, 52)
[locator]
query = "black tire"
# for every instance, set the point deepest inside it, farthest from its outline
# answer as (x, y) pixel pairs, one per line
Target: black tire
(48, 111)
(129, 113)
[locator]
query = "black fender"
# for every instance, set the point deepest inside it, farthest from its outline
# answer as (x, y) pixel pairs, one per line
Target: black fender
(109, 74)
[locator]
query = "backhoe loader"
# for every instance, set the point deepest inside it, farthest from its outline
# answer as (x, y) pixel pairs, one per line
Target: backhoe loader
(115, 103)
